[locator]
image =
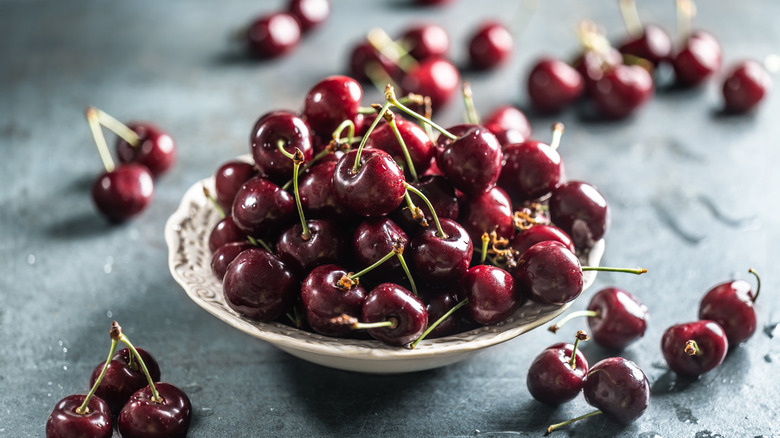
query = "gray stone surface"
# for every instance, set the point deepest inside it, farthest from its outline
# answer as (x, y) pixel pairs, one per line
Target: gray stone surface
(694, 198)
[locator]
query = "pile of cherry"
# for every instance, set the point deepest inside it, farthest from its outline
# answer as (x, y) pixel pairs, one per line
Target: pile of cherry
(126, 391)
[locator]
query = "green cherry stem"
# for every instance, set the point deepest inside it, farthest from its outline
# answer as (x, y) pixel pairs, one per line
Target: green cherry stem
(390, 323)
(485, 242)
(114, 332)
(155, 395)
(581, 336)
(636, 271)
(685, 12)
(431, 327)
(214, 202)
(631, 18)
(100, 139)
(758, 286)
(118, 128)
(416, 212)
(567, 422)
(297, 160)
(692, 348)
(379, 116)
(439, 232)
(384, 44)
(378, 77)
(352, 279)
(390, 117)
(390, 97)
(468, 98)
(556, 135)
(580, 313)
(349, 125)
(259, 242)
(398, 247)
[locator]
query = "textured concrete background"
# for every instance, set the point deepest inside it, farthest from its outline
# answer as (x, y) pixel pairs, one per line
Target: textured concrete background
(694, 198)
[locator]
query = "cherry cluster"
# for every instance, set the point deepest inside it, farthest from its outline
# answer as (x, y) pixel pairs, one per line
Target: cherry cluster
(278, 33)
(145, 152)
(356, 209)
(126, 391)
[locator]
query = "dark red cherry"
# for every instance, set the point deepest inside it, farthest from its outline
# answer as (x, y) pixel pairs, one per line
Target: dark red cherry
(330, 102)
(391, 302)
(539, 233)
(224, 232)
(490, 45)
(142, 417)
(124, 192)
(622, 90)
(425, 41)
(65, 422)
(620, 318)
(259, 285)
(508, 124)
(156, 150)
(273, 129)
(580, 210)
(491, 293)
(121, 379)
(225, 254)
(229, 178)
(273, 35)
(364, 58)
(617, 387)
(552, 379)
(731, 305)
(745, 86)
(373, 239)
(315, 190)
(437, 303)
(592, 64)
(487, 212)
(549, 273)
(699, 59)
(310, 13)
(439, 192)
(531, 170)
(327, 244)
(694, 348)
(436, 78)
(441, 261)
(654, 45)
(323, 300)
(554, 85)
(472, 163)
(375, 189)
(417, 142)
(262, 209)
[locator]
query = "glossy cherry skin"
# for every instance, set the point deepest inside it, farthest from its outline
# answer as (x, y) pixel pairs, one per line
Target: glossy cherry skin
(592, 64)
(551, 379)
(491, 293)
(121, 381)
(417, 142)
(310, 13)
(490, 46)
(580, 210)
(224, 232)
(324, 300)
(531, 170)
(699, 59)
(316, 192)
(425, 41)
(488, 212)
(745, 87)
(259, 285)
(472, 163)
(376, 189)
(619, 388)
(228, 180)
(156, 151)
(730, 304)
(622, 318)
(622, 90)
(549, 273)
(388, 302)
(508, 121)
(711, 339)
(437, 303)
(654, 45)
(441, 195)
(262, 209)
(270, 130)
(365, 57)
(441, 261)
(225, 254)
(436, 78)
(373, 239)
(65, 422)
(123, 193)
(273, 35)
(554, 85)
(143, 418)
(327, 244)
(539, 233)
(330, 102)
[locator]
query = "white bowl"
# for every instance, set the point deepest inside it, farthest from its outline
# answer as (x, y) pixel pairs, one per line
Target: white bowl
(187, 232)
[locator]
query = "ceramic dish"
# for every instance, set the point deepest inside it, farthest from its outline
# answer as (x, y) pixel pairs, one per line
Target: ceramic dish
(187, 232)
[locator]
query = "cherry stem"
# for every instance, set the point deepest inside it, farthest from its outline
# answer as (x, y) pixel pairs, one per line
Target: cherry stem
(100, 139)
(631, 18)
(581, 336)
(390, 117)
(308, 164)
(439, 321)
(692, 348)
(155, 395)
(118, 128)
(390, 97)
(439, 232)
(259, 242)
(405, 267)
(556, 135)
(297, 161)
(378, 77)
(376, 264)
(382, 42)
(636, 271)
(390, 323)
(567, 422)
(415, 211)
(758, 286)
(592, 38)
(365, 136)
(485, 242)
(468, 98)
(685, 12)
(580, 313)
(295, 317)
(115, 331)
(214, 202)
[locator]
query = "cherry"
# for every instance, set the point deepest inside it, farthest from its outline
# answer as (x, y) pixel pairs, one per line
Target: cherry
(261, 209)
(65, 421)
(310, 13)
(554, 85)
(425, 41)
(491, 294)
(369, 182)
(436, 78)
(593, 63)
(731, 305)
(699, 59)
(316, 192)
(438, 302)
(228, 180)
(402, 315)
(417, 142)
(224, 255)
(123, 192)
(224, 232)
(373, 238)
(274, 131)
(330, 102)
(488, 212)
(580, 210)
(367, 64)
(259, 285)
(143, 417)
(539, 233)
(508, 124)
(694, 348)
(273, 35)
(532, 169)
(556, 374)
(441, 256)
(622, 90)
(616, 318)
(151, 146)
(324, 298)
(490, 46)
(326, 244)
(123, 377)
(653, 44)
(472, 162)
(745, 86)
(438, 190)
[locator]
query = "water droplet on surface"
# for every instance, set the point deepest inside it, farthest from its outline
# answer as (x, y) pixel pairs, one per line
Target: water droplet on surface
(49, 383)
(64, 368)
(30, 259)
(64, 350)
(767, 358)
(109, 314)
(770, 330)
